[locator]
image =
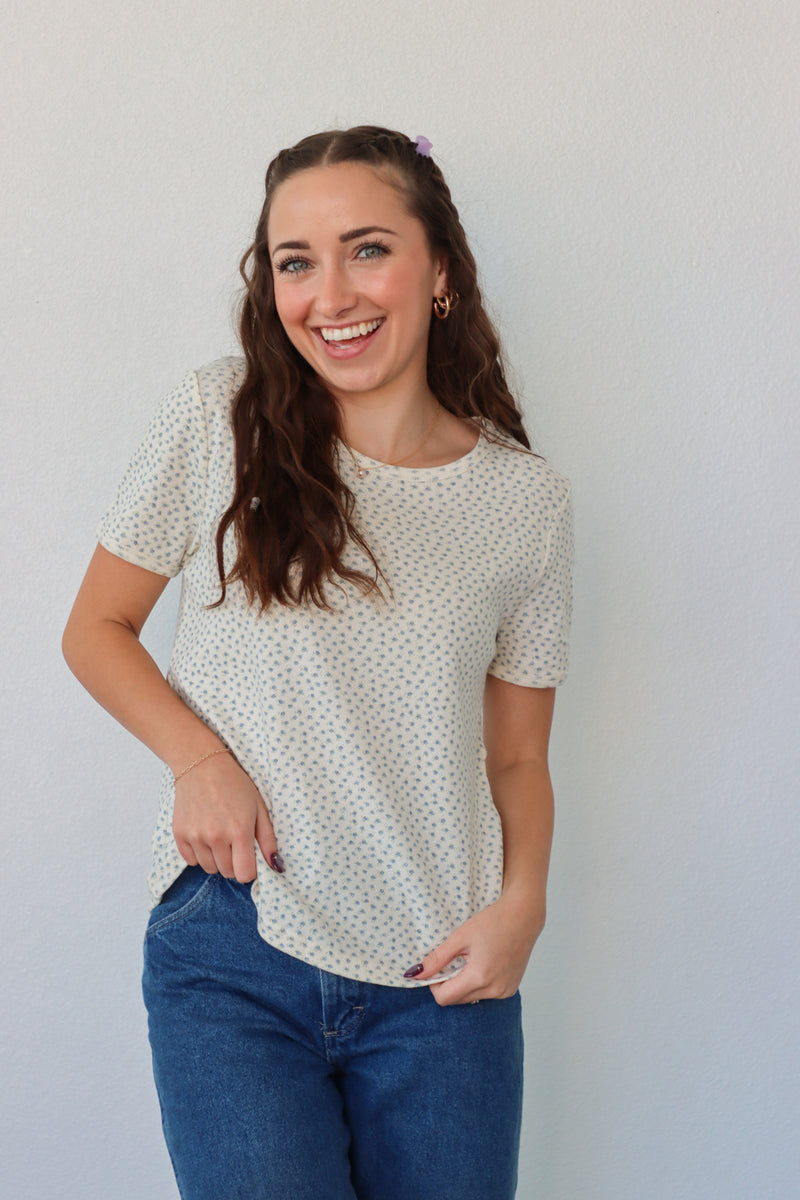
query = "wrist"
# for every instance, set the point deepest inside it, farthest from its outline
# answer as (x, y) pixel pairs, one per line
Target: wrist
(189, 745)
(528, 897)
(196, 762)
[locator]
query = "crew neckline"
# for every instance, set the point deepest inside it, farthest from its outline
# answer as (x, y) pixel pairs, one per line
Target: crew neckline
(390, 470)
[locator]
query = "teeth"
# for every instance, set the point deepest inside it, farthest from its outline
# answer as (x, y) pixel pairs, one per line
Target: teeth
(350, 331)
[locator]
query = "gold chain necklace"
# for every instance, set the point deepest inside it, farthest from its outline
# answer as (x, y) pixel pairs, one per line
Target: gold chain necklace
(362, 472)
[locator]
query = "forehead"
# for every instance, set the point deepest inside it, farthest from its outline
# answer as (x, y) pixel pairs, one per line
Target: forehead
(333, 199)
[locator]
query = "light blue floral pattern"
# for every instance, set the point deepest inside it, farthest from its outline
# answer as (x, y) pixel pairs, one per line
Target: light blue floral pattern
(361, 726)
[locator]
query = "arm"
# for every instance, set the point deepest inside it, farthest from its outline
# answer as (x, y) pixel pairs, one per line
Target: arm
(219, 814)
(516, 724)
(497, 942)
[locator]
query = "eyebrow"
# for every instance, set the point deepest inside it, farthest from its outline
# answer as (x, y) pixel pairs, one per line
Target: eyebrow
(350, 236)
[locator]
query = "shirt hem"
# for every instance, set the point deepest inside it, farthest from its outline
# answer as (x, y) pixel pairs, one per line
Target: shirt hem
(360, 975)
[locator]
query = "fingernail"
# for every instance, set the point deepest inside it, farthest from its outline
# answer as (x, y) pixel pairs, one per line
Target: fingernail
(276, 862)
(413, 972)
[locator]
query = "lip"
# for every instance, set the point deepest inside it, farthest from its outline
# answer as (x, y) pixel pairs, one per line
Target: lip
(343, 350)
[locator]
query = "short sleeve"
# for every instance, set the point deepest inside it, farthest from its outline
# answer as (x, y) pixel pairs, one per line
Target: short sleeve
(532, 644)
(155, 518)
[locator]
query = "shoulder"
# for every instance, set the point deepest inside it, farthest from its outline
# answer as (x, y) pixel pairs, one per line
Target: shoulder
(201, 393)
(218, 382)
(529, 482)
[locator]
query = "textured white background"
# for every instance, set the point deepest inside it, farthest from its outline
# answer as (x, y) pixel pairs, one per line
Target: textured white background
(629, 173)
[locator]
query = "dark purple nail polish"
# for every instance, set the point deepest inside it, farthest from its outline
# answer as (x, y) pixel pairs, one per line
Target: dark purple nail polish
(413, 972)
(276, 862)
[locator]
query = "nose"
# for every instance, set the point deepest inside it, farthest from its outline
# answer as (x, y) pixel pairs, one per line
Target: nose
(336, 294)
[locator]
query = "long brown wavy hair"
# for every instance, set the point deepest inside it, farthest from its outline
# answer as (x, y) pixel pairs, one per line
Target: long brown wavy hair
(292, 514)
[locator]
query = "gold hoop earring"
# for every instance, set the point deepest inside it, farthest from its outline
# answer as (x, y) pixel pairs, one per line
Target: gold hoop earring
(442, 305)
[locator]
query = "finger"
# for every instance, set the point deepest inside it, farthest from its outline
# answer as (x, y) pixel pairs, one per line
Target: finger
(265, 836)
(205, 859)
(223, 857)
(440, 958)
(244, 861)
(194, 850)
(453, 991)
(186, 852)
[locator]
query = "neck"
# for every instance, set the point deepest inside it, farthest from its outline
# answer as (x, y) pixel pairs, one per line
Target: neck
(387, 429)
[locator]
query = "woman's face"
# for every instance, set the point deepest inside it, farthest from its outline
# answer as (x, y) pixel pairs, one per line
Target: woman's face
(354, 280)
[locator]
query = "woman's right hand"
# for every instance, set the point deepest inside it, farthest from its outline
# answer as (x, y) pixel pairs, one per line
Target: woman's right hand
(220, 817)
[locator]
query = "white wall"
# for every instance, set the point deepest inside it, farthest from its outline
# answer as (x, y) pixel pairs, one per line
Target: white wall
(629, 174)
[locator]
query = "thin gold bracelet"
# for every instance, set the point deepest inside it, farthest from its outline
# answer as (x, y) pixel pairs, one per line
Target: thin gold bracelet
(197, 762)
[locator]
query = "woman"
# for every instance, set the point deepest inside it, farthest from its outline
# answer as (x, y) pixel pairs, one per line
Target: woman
(351, 855)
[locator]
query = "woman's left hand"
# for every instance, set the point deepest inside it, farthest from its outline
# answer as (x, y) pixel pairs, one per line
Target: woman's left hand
(496, 944)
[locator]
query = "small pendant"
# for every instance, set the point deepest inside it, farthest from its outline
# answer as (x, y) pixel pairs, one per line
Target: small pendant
(361, 473)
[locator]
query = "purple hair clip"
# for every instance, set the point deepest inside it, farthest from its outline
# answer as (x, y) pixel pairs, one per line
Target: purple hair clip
(424, 147)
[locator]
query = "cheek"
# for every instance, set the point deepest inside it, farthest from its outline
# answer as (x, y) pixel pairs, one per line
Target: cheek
(408, 290)
(401, 285)
(289, 305)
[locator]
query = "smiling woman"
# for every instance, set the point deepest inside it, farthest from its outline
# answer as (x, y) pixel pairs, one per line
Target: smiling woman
(357, 304)
(352, 849)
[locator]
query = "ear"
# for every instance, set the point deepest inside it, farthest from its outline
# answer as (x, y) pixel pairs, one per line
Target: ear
(441, 286)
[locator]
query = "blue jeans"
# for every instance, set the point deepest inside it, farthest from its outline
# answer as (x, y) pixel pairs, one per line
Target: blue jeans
(277, 1079)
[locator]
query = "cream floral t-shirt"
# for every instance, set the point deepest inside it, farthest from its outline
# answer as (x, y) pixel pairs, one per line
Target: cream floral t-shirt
(361, 727)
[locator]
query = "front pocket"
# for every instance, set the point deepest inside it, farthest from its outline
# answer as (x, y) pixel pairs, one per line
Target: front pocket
(189, 891)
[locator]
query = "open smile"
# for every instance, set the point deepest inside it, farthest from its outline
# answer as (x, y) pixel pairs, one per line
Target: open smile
(344, 340)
